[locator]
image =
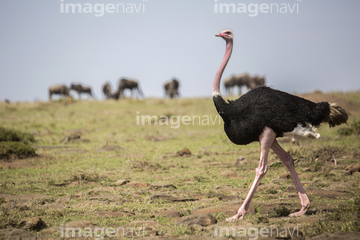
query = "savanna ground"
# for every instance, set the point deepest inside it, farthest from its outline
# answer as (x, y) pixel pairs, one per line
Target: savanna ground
(96, 170)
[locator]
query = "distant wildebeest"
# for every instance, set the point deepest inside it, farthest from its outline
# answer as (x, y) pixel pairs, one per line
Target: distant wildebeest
(61, 90)
(132, 85)
(106, 89)
(172, 88)
(242, 80)
(81, 89)
(229, 84)
(258, 81)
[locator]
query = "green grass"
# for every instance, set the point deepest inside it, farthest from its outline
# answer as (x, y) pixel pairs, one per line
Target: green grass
(14, 143)
(75, 169)
(348, 96)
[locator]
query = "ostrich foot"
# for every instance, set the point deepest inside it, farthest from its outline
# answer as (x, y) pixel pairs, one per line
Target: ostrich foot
(301, 212)
(240, 215)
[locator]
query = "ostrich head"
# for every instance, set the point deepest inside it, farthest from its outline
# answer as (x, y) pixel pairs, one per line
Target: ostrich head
(226, 34)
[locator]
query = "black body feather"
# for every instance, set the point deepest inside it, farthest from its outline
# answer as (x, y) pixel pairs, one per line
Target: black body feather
(246, 117)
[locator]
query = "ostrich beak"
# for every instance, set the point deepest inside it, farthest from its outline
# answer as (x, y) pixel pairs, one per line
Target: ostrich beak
(218, 35)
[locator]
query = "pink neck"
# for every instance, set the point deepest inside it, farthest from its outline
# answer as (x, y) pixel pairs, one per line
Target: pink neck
(216, 84)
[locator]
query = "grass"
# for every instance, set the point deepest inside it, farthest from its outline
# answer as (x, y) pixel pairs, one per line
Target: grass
(80, 174)
(14, 143)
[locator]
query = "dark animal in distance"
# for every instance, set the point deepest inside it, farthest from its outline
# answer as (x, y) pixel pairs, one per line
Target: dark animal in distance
(132, 85)
(229, 84)
(106, 89)
(263, 114)
(171, 88)
(61, 90)
(257, 81)
(242, 80)
(80, 89)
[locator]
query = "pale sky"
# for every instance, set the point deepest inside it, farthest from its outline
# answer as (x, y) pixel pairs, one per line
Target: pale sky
(311, 45)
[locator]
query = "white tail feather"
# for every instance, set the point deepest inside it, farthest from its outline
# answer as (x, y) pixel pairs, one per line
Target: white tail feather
(305, 131)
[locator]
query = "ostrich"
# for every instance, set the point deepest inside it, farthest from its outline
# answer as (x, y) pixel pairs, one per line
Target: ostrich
(263, 114)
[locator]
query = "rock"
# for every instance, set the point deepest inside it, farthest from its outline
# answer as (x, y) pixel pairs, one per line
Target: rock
(19, 234)
(121, 182)
(33, 224)
(228, 173)
(158, 186)
(199, 219)
(184, 152)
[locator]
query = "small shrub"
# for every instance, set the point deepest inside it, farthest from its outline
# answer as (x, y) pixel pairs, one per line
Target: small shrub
(9, 135)
(280, 211)
(14, 143)
(353, 129)
(9, 150)
(271, 191)
(85, 176)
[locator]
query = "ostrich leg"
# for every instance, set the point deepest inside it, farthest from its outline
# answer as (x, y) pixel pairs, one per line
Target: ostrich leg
(266, 139)
(288, 161)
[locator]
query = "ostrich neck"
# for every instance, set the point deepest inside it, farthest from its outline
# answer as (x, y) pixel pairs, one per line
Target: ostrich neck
(216, 84)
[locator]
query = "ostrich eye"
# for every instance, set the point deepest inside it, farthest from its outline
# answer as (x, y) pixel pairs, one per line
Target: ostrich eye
(228, 32)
